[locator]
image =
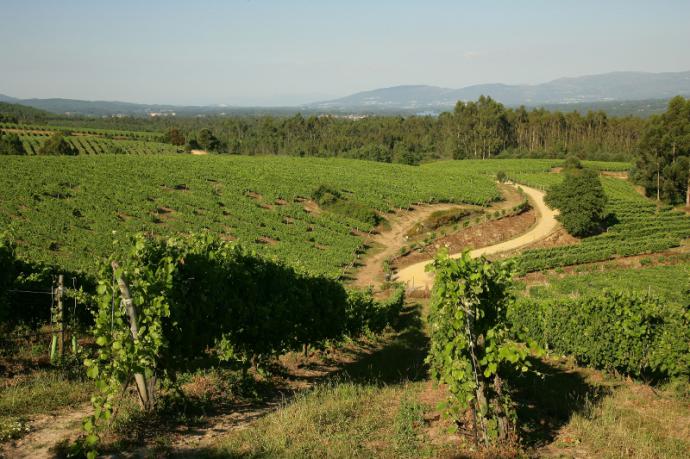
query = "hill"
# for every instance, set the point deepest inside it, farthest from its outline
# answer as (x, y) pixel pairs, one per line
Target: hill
(617, 93)
(615, 86)
(12, 113)
(66, 211)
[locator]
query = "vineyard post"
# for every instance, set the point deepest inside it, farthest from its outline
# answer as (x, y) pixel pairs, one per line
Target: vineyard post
(480, 403)
(144, 387)
(53, 338)
(61, 316)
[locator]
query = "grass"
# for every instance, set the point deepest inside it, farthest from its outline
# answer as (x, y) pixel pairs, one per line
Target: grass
(635, 421)
(38, 393)
(333, 420)
(380, 403)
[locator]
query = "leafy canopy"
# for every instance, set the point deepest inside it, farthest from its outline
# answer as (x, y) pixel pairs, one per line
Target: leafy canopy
(581, 200)
(11, 144)
(58, 145)
(665, 153)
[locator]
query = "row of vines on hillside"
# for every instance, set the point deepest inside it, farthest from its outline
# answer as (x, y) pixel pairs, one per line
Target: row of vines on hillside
(482, 337)
(471, 350)
(165, 304)
(633, 333)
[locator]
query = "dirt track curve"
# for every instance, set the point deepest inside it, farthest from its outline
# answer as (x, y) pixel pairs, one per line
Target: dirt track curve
(415, 276)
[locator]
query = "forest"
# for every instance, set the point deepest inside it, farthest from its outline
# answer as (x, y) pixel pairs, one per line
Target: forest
(658, 147)
(475, 129)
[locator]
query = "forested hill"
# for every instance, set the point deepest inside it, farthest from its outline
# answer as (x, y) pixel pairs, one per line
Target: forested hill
(475, 130)
(13, 113)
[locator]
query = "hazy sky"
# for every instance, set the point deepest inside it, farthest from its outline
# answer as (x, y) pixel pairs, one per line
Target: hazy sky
(294, 51)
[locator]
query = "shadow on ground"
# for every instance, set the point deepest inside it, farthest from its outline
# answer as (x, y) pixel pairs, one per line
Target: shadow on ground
(398, 359)
(546, 402)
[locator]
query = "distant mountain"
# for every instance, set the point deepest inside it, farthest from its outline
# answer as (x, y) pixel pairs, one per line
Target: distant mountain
(616, 86)
(8, 99)
(102, 108)
(621, 93)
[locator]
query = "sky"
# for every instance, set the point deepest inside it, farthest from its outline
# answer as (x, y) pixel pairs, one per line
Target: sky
(270, 52)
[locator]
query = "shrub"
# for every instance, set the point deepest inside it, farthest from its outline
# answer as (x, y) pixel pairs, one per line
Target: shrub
(57, 145)
(581, 200)
(332, 200)
(325, 195)
(634, 334)
(11, 144)
(572, 162)
(470, 348)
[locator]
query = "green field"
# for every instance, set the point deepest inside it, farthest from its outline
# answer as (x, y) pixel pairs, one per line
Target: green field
(671, 282)
(637, 227)
(68, 211)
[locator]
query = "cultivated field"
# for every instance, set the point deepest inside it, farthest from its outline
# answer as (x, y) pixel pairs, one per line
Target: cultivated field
(251, 306)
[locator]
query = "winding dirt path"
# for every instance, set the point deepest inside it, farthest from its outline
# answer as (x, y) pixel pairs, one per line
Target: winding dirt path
(415, 276)
(389, 242)
(371, 272)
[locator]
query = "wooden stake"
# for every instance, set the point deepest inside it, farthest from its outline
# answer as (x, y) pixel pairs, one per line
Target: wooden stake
(60, 316)
(144, 387)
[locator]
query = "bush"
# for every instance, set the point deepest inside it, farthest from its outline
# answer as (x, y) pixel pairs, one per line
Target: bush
(325, 195)
(581, 200)
(634, 334)
(174, 137)
(331, 199)
(572, 162)
(57, 145)
(11, 144)
(207, 141)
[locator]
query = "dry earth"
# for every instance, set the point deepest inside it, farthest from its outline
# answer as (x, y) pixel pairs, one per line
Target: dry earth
(416, 275)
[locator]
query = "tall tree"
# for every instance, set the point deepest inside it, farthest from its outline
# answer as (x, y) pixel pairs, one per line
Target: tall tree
(664, 161)
(581, 200)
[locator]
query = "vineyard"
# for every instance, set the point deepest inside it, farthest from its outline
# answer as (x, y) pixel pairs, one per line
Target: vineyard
(671, 282)
(67, 211)
(637, 227)
(47, 130)
(89, 145)
(92, 141)
(194, 267)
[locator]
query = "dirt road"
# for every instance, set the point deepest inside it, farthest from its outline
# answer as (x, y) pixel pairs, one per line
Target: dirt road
(389, 242)
(414, 276)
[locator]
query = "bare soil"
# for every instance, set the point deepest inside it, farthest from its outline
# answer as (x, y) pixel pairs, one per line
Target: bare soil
(387, 243)
(481, 235)
(416, 275)
(47, 433)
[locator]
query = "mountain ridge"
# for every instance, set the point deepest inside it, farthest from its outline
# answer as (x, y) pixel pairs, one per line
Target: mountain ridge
(614, 87)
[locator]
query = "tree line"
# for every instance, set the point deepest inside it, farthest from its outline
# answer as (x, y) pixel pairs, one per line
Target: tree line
(660, 146)
(476, 130)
